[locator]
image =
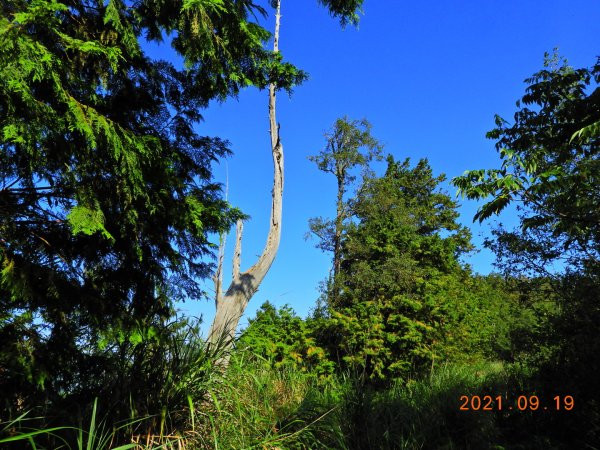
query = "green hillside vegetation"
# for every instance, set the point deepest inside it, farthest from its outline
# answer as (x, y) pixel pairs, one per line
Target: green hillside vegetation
(107, 210)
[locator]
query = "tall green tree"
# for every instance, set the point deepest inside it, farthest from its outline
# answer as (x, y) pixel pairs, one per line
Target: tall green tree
(349, 146)
(398, 257)
(106, 192)
(401, 219)
(548, 167)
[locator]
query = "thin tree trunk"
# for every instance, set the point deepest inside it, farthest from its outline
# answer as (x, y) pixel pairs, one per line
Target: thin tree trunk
(337, 241)
(218, 276)
(232, 304)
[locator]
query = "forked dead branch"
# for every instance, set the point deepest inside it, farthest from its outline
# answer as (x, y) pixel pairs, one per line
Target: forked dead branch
(231, 305)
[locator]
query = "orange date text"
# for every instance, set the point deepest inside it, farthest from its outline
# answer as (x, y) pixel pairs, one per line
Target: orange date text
(520, 403)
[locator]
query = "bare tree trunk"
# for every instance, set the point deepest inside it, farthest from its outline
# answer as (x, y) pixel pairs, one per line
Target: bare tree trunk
(232, 304)
(337, 238)
(218, 276)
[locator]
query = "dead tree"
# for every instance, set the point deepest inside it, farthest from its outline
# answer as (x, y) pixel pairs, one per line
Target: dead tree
(232, 304)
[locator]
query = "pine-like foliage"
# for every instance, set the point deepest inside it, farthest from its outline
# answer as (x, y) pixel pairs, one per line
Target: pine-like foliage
(106, 192)
(400, 274)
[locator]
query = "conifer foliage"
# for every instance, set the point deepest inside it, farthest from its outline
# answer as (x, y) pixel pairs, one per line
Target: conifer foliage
(106, 192)
(398, 258)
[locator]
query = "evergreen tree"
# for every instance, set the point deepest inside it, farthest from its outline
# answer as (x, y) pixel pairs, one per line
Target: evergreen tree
(106, 192)
(398, 256)
(349, 145)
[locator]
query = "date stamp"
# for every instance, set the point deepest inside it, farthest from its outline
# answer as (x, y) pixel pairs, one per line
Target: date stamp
(521, 403)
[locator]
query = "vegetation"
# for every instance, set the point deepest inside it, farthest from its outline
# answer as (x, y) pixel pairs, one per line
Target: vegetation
(107, 203)
(395, 262)
(349, 145)
(550, 164)
(106, 194)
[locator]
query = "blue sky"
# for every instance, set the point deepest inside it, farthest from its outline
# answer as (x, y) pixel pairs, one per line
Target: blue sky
(428, 75)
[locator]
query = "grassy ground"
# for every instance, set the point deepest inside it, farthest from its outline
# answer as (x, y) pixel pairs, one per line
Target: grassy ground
(254, 406)
(260, 407)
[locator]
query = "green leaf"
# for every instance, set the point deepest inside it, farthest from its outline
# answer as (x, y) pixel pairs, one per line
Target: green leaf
(586, 133)
(87, 221)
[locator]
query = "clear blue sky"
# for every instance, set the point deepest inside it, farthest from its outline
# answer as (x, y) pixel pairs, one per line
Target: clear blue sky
(428, 75)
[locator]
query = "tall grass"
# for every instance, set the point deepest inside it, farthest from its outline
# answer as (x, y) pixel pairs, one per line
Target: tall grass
(96, 436)
(424, 413)
(250, 404)
(247, 407)
(153, 399)
(258, 406)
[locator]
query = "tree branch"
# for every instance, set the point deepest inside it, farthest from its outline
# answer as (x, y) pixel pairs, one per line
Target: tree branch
(237, 253)
(244, 285)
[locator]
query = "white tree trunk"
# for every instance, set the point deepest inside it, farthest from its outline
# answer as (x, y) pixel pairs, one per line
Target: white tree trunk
(231, 305)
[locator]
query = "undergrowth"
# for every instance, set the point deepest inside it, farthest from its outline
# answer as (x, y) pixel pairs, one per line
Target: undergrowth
(254, 405)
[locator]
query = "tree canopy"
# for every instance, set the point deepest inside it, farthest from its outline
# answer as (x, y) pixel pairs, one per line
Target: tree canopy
(549, 167)
(398, 256)
(551, 170)
(106, 191)
(349, 146)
